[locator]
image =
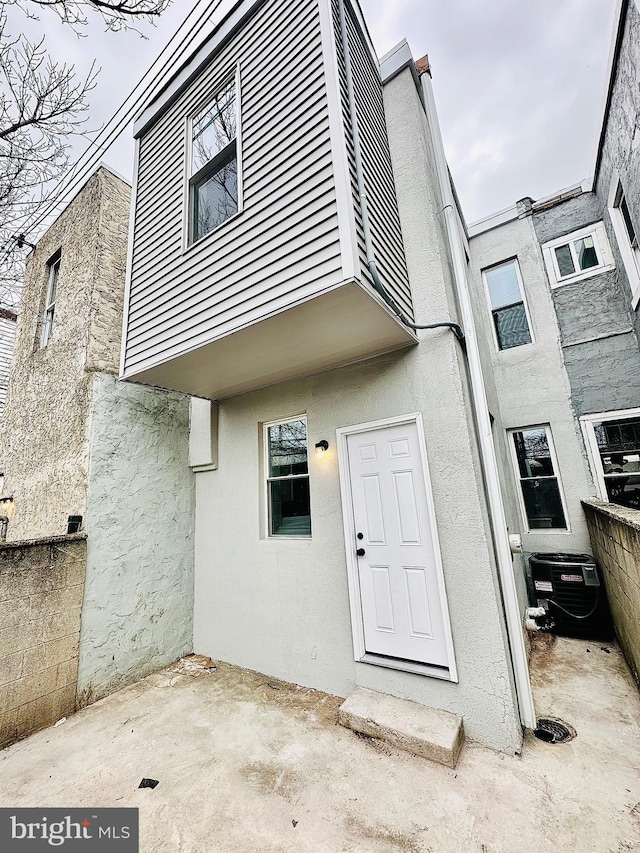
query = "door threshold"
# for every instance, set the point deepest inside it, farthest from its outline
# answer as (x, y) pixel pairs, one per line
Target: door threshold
(427, 669)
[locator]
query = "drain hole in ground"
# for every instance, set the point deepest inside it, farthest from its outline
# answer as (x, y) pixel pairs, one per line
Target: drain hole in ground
(551, 730)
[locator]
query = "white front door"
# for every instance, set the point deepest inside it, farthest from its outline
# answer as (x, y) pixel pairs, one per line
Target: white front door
(399, 574)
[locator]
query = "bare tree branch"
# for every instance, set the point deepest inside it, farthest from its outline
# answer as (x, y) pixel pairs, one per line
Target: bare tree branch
(43, 106)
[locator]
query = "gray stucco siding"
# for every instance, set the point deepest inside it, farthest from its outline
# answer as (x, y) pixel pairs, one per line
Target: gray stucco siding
(620, 149)
(570, 215)
(604, 374)
(591, 308)
(284, 245)
(138, 603)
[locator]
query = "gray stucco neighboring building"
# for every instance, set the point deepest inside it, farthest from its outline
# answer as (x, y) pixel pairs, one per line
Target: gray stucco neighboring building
(74, 441)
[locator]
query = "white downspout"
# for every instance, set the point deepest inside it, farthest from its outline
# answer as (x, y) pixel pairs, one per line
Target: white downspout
(487, 449)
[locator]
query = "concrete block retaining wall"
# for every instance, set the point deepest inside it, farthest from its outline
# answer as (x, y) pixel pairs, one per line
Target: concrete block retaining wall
(615, 540)
(41, 591)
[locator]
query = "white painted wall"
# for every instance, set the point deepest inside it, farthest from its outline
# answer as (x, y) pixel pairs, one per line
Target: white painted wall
(138, 601)
(282, 607)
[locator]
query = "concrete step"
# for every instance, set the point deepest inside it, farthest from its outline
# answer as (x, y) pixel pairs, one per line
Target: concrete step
(427, 732)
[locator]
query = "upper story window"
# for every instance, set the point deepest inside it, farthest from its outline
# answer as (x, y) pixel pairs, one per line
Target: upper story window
(288, 503)
(50, 302)
(613, 440)
(626, 235)
(510, 319)
(535, 467)
(578, 255)
(213, 162)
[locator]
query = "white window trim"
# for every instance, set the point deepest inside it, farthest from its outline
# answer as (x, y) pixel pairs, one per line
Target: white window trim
(188, 244)
(49, 308)
(266, 478)
(487, 293)
(602, 247)
(630, 256)
(556, 473)
(593, 451)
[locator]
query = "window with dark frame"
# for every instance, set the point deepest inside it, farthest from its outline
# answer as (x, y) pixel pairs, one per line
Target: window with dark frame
(289, 507)
(213, 167)
(50, 302)
(538, 480)
(619, 448)
(507, 305)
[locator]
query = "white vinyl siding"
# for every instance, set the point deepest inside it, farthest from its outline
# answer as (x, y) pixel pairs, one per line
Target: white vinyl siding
(284, 247)
(7, 338)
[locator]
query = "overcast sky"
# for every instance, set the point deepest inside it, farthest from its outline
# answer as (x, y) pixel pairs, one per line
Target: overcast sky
(518, 85)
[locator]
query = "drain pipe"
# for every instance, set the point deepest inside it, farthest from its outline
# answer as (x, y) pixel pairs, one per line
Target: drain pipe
(487, 449)
(378, 286)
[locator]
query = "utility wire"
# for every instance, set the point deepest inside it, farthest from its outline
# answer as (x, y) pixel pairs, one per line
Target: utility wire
(153, 79)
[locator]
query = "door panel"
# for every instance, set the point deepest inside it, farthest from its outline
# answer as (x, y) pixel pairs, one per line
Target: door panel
(400, 596)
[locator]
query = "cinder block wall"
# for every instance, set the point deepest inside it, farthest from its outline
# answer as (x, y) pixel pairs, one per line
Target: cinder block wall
(615, 540)
(41, 590)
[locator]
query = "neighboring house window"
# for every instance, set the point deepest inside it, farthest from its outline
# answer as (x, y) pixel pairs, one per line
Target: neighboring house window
(613, 440)
(626, 235)
(510, 318)
(535, 467)
(50, 304)
(288, 504)
(213, 167)
(578, 255)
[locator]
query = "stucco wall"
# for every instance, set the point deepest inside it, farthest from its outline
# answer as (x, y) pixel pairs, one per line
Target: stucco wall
(594, 317)
(531, 386)
(41, 587)
(282, 607)
(615, 537)
(138, 606)
(621, 148)
(44, 430)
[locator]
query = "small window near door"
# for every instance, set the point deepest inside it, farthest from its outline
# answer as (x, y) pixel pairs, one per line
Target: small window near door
(538, 480)
(510, 320)
(288, 502)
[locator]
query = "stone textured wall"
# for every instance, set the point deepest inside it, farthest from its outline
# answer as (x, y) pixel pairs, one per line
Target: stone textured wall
(615, 540)
(44, 431)
(138, 608)
(41, 589)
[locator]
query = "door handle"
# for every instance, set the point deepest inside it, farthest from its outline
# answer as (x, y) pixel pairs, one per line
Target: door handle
(360, 552)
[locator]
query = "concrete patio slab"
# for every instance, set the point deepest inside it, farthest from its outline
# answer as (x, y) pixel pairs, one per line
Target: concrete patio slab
(427, 732)
(249, 764)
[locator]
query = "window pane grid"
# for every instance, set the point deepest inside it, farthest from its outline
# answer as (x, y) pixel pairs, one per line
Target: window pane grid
(213, 182)
(618, 443)
(539, 484)
(288, 479)
(509, 314)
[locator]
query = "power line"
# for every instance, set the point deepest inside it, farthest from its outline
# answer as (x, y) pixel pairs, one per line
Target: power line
(150, 85)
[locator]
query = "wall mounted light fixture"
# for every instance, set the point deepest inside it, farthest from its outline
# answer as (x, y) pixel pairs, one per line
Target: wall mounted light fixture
(321, 448)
